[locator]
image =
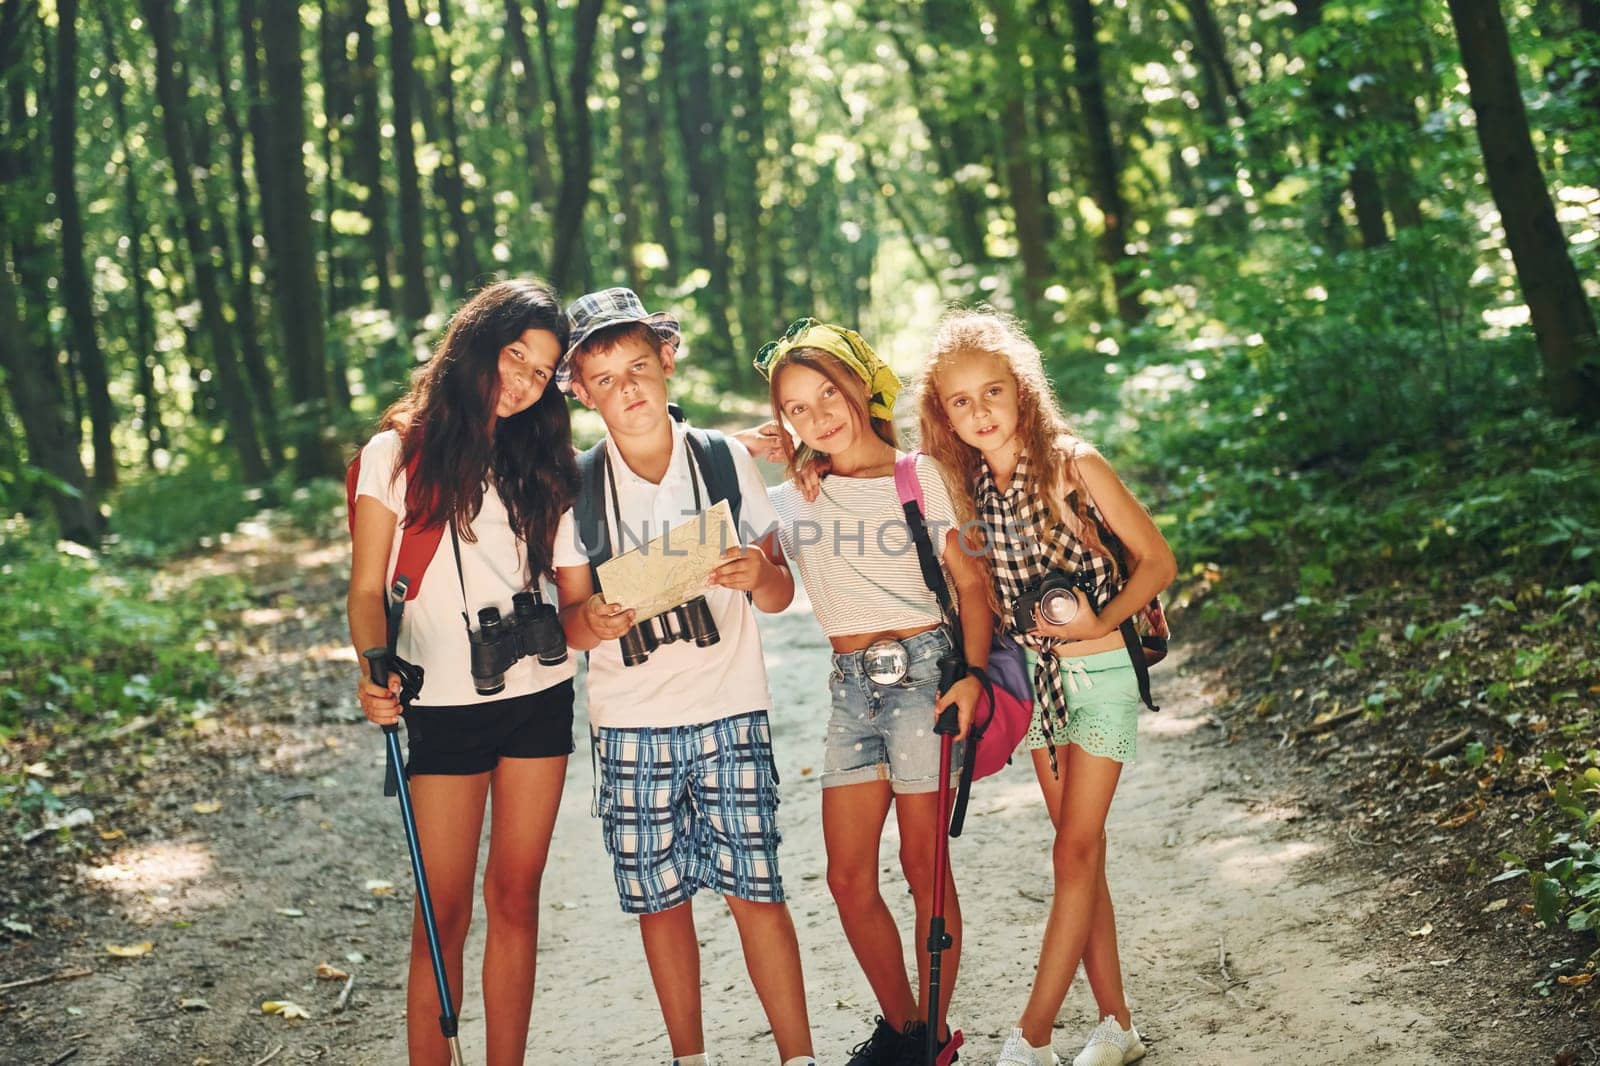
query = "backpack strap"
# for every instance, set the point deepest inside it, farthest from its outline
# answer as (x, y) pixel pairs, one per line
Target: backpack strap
(418, 544)
(715, 460)
(909, 488)
(589, 509)
(1130, 632)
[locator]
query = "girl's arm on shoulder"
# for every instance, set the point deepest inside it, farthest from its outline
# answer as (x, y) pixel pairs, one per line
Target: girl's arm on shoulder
(1151, 565)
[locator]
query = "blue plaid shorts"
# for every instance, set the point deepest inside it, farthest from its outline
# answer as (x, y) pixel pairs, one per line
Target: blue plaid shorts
(690, 807)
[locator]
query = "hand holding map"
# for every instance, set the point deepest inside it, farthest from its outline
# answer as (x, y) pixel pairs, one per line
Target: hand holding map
(662, 573)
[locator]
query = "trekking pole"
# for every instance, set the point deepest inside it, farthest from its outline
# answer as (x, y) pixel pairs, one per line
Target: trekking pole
(951, 669)
(378, 665)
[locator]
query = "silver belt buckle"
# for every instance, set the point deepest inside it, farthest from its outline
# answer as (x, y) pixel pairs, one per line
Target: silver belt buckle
(885, 662)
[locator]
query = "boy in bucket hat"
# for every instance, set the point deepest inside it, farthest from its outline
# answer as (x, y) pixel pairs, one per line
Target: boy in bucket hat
(687, 791)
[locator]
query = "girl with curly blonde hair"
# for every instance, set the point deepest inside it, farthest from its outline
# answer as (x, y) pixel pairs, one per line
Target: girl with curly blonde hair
(1049, 502)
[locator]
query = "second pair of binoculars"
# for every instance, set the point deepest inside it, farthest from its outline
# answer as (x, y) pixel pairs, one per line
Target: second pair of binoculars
(690, 620)
(500, 643)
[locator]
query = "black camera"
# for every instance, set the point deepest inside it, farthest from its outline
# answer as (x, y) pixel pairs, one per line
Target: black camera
(1053, 596)
(499, 643)
(688, 621)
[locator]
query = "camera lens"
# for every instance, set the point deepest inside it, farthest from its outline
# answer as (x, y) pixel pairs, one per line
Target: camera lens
(1058, 606)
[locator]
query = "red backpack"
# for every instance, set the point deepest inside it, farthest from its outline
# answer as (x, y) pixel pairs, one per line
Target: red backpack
(417, 543)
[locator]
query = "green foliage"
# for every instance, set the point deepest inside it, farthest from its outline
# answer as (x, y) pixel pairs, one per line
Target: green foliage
(88, 639)
(189, 509)
(183, 509)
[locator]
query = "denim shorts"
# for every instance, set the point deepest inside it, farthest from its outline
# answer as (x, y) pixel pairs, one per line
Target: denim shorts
(885, 732)
(689, 807)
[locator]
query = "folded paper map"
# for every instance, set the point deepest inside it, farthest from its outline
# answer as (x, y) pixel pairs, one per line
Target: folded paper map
(660, 574)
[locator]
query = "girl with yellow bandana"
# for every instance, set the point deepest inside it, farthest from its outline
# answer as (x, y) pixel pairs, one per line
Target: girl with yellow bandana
(854, 554)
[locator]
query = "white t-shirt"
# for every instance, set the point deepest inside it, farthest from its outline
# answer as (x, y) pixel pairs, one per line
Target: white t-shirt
(855, 553)
(679, 684)
(494, 566)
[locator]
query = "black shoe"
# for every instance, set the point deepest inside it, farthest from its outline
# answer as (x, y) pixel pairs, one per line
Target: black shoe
(885, 1047)
(916, 1046)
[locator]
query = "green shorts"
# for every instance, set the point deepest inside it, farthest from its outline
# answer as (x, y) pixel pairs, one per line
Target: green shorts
(1102, 707)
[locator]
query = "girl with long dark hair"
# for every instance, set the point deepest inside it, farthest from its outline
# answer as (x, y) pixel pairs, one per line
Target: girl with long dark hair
(479, 446)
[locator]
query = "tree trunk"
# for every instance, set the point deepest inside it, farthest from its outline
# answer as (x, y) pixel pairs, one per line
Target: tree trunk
(1368, 198)
(295, 257)
(368, 156)
(1032, 224)
(750, 131)
(153, 433)
(245, 309)
(332, 69)
(633, 115)
(969, 208)
(1563, 322)
(262, 148)
(342, 278)
(567, 256)
(52, 446)
(665, 230)
(172, 94)
(1103, 169)
(414, 301)
(77, 295)
(687, 41)
(530, 112)
(451, 177)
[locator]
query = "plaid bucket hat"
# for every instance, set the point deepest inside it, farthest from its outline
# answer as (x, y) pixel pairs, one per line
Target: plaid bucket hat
(595, 311)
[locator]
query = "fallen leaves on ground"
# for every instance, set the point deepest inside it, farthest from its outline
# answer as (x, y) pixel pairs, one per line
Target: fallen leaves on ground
(328, 972)
(130, 951)
(284, 1007)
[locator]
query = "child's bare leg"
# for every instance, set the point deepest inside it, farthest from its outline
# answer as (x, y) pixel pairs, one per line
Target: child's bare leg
(772, 955)
(526, 793)
(449, 813)
(673, 952)
(852, 827)
(918, 816)
(1102, 963)
(1088, 784)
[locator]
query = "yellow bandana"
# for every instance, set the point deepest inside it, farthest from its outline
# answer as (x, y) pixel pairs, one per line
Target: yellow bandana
(845, 345)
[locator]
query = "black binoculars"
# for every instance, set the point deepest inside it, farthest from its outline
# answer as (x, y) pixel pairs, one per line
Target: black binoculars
(688, 621)
(499, 643)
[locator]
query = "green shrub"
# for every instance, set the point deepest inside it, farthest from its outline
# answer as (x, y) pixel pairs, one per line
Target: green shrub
(87, 641)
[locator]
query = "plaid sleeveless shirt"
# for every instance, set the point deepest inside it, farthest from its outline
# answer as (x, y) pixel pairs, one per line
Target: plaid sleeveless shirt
(1023, 546)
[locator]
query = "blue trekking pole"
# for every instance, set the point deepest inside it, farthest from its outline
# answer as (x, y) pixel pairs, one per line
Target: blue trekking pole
(395, 784)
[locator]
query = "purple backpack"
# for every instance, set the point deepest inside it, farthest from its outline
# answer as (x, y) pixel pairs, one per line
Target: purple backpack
(1009, 694)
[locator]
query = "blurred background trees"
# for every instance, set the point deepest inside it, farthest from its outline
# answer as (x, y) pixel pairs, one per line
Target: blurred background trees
(230, 228)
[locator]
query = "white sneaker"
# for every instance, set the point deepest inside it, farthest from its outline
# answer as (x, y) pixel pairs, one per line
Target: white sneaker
(1018, 1052)
(1111, 1045)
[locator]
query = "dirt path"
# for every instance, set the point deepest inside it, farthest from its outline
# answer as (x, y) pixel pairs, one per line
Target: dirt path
(1243, 941)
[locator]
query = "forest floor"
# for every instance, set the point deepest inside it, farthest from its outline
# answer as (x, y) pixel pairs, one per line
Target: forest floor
(249, 847)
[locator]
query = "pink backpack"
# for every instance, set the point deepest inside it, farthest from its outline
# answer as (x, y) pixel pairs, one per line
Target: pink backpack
(1003, 716)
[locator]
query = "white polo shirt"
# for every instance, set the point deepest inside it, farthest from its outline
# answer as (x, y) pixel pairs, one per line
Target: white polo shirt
(494, 566)
(679, 684)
